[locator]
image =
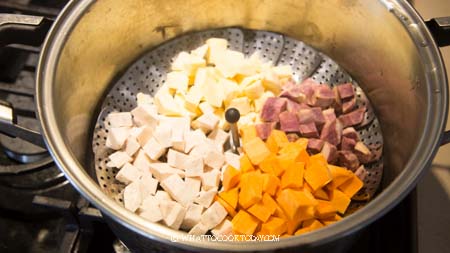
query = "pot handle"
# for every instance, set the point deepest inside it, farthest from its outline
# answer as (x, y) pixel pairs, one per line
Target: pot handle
(440, 29)
(28, 30)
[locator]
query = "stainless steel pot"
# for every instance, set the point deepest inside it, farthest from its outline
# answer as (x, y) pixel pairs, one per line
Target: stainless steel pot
(384, 44)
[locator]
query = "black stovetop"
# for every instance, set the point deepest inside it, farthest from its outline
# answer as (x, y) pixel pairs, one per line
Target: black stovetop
(41, 212)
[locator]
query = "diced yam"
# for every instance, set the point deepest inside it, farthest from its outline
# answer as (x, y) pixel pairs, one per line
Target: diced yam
(153, 149)
(308, 130)
(329, 151)
(216, 48)
(348, 106)
(231, 90)
(166, 104)
(144, 135)
(331, 132)
(224, 228)
(219, 137)
(148, 184)
(254, 90)
(353, 118)
(193, 216)
(198, 229)
(244, 223)
(361, 173)
(145, 115)
(256, 150)
(131, 146)
(317, 173)
(163, 135)
(162, 195)
(329, 114)
(323, 96)
(132, 197)
(214, 215)
(212, 90)
(120, 119)
(117, 137)
(274, 226)
(188, 63)
(340, 201)
(194, 138)
(315, 145)
(150, 210)
(173, 213)
(242, 104)
(352, 186)
(162, 171)
(228, 62)
(206, 122)
(289, 122)
(348, 159)
(177, 80)
(271, 81)
(351, 133)
(205, 107)
(175, 186)
(200, 51)
(293, 176)
(259, 102)
(118, 159)
(144, 99)
(345, 90)
(142, 162)
(193, 97)
(283, 71)
(233, 159)
(272, 109)
(347, 143)
(205, 198)
(230, 196)
(210, 179)
(263, 129)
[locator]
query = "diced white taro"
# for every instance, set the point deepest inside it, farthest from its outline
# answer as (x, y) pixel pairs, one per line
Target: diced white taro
(242, 104)
(142, 161)
(210, 179)
(175, 186)
(205, 198)
(176, 159)
(213, 215)
(177, 80)
(118, 159)
(214, 158)
(173, 213)
(166, 104)
(135, 131)
(224, 228)
(192, 217)
(150, 210)
(162, 195)
(219, 137)
(191, 188)
(148, 184)
(198, 229)
(117, 137)
(120, 119)
(153, 149)
(162, 171)
(194, 138)
(143, 99)
(206, 122)
(233, 159)
(128, 174)
(194, 166)
(163, 135)
(145, 115)
(132, 196)
(179, 125)
(131, 146)
(144, 136)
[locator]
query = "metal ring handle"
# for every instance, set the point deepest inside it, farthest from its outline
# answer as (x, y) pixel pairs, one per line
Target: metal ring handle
(440, 28)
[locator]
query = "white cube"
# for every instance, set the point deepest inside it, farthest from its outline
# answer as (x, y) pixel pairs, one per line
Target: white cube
(192, 217)
(120, 119)
(128, 174)
(118, 159)
(213, 216)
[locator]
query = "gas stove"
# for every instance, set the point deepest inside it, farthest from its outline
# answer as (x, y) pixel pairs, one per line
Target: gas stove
(41, 212)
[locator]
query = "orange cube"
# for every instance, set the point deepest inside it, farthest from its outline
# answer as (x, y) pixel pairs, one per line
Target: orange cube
(248, 132)
(260, 211)
(245, 163)
(274, 226)
(269, 164)
(331, 220)
(251, 189)
(325, 210)
(340, 175)
(317, 174)
(230, 196)
(291, 200)
(256, 150)
(276, 140)
(352, 186)
(340, 201)
(230, 178)
(270, 183)
(225, 205)
(293, 176)
(269, 203)
(321, 194)
(244, 224)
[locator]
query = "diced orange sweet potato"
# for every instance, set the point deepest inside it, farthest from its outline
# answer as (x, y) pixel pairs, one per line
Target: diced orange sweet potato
(284, 162)
(305, 213)
(225, 205)
(331, 220)
(352, 186)
(311, 225)
(270, 203)
(340, 201)
(291, 148)
(291, 200)
(317, 174)
(256, 150)
(270, 183)
(318, 158)
(260, 211)
(230, 178)
(248, 132)
(280, 213)
(302, 142)
(340, 175)
(325, 210)
(269, 164)
(276, 140)
(293, 176)
(230, 196)
(321, 194)
(245, 163)
(251, 189)
(243, 223)
(303, 156)
(292, 225)
(274, 226)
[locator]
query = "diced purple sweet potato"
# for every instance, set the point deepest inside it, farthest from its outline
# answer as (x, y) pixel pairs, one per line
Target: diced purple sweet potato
(353, 118)
(309, 130)
(348, 159)
(351, 133)
(289, 122)
(293, 91)
(293, 106)
(363, 153)
(315, 145)
(319, 119)
(345, 90)
(305, 116)
(331, 132)
(329, 114)
(264, 129)
(348, 105)
(307, 87)
(361, 173)
(323, 96)
(272, 109)
(329, 151)
(347, 143)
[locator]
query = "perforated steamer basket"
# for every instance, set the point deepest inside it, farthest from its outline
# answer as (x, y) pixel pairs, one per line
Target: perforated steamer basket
(148, 73)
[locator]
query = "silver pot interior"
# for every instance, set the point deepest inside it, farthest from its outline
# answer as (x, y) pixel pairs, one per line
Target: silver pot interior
(364, 37)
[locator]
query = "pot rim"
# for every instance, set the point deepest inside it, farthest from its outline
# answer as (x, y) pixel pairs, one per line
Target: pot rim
(385, 201)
